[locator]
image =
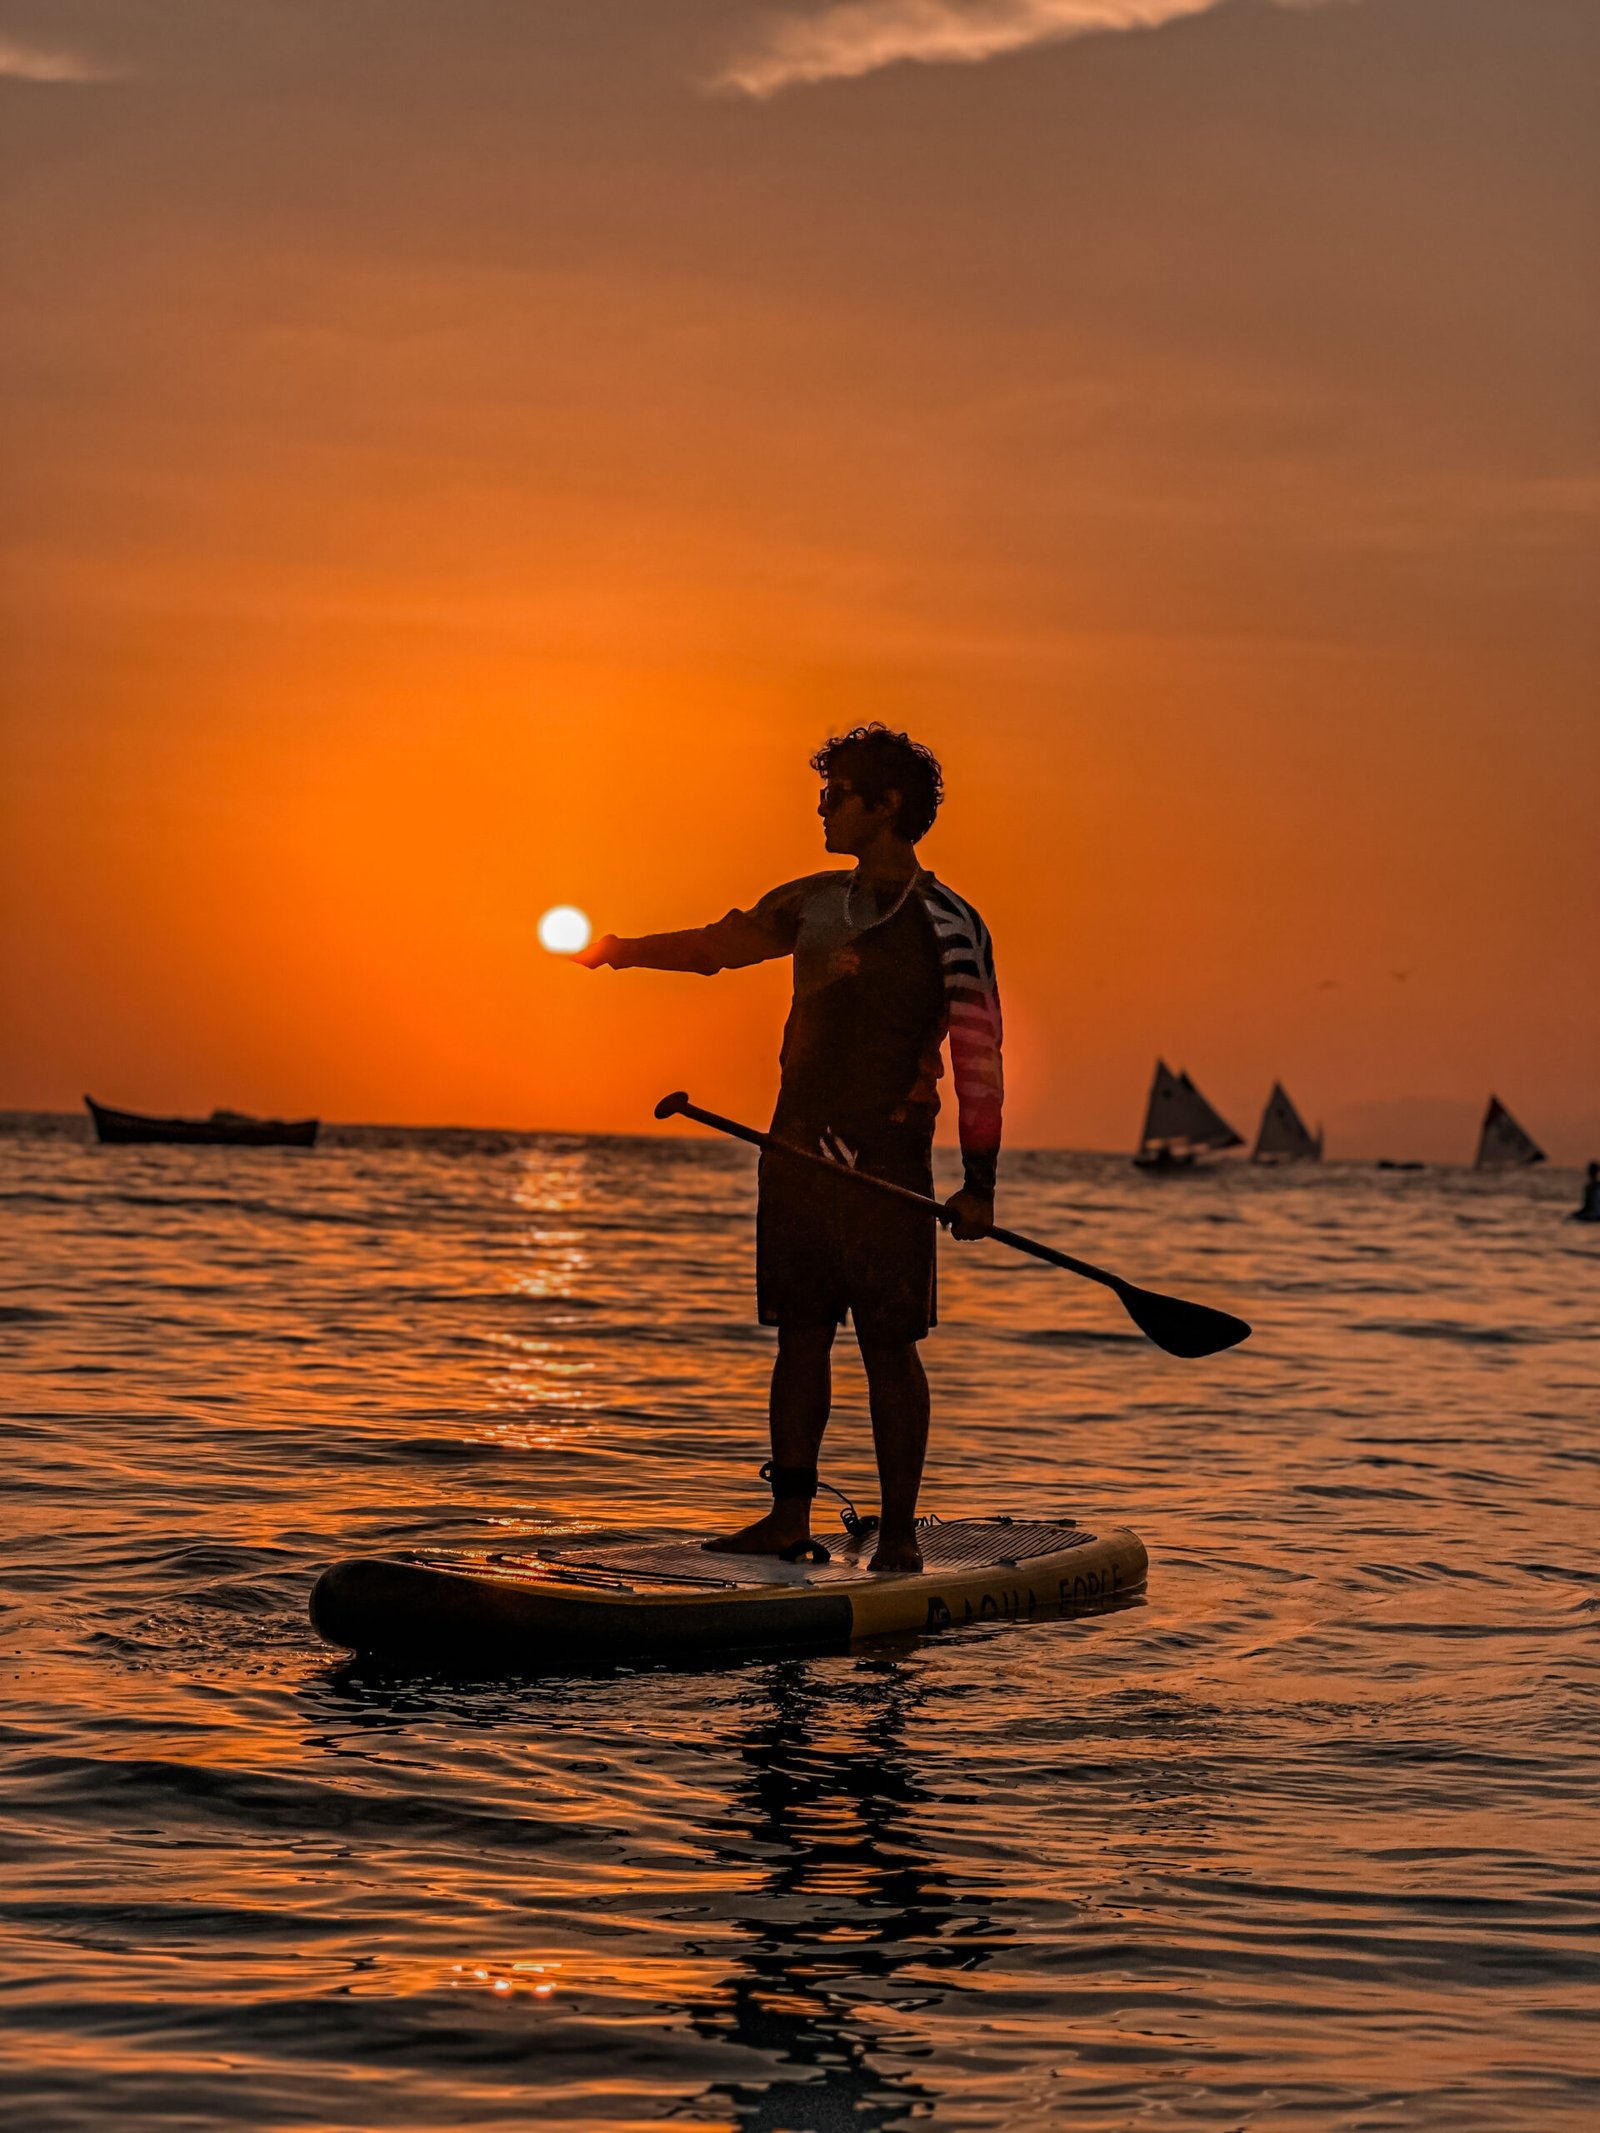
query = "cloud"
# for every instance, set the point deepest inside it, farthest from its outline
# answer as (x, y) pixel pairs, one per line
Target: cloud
(27, 62)
(854, 37)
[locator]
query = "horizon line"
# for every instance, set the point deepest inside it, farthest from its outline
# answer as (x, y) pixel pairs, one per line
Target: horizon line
(1227, 1159)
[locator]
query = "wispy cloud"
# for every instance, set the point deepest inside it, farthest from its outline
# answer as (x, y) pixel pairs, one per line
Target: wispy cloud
(30, 62)
(853, 37)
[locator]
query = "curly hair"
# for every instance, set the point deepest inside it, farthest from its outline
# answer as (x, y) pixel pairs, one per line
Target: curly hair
(879, 761)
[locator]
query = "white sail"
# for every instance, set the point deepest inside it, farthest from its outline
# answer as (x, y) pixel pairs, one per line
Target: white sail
(1164, 1113)
(1178, 1118)
(1210, 1128)
(1502, 1142)
(1283, 1137)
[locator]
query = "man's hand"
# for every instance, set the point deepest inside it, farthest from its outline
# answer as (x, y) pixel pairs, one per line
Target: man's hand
(969, 1214)
(598, 955)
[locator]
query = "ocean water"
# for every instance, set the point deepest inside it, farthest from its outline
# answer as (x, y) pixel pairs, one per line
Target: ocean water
(1306, 1840)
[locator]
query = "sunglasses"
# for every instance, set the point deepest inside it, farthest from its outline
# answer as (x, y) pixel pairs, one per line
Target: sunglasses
(833, 797)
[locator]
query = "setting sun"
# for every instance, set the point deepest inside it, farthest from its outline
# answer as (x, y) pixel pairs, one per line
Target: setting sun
(564, 930)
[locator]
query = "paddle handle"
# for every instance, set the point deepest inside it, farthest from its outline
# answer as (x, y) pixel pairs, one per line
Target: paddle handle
(1047, 1252)
(678, 1106)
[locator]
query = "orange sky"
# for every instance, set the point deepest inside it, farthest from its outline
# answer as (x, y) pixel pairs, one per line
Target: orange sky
(457, 467)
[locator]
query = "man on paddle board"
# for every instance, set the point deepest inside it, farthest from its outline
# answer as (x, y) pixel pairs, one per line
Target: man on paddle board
(888, 963)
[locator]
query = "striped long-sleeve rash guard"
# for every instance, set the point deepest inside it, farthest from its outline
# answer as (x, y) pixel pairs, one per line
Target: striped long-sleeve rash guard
(880, 980)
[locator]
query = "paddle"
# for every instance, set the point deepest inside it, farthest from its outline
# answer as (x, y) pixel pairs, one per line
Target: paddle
(1186, 1329)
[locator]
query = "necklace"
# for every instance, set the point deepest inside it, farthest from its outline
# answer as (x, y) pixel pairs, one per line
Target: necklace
(857, 925)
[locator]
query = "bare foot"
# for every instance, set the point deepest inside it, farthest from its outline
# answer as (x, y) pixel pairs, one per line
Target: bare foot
(768, 1536)
(896, 1552)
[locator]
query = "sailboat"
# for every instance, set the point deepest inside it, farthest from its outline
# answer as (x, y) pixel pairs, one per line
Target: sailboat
(1282, 1136)
(1179, 1124)
(1502, 1143)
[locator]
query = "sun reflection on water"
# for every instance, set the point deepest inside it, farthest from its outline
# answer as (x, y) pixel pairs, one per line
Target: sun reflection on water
(532, 1980)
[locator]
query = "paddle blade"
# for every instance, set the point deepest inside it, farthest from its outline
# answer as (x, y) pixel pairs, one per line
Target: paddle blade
(1187, 1329)
(673, 1106)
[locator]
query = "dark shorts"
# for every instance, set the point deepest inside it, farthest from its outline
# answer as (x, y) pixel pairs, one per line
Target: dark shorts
(826, 1246)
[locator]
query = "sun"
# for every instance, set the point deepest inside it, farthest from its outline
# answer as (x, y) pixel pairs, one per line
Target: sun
(564, 930)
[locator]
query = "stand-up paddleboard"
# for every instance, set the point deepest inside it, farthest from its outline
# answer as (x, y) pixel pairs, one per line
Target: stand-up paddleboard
(531, 1610)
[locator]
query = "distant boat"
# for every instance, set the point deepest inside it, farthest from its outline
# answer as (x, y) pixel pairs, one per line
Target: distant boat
(1503, 1144)
(1179, 1124)
(234, 1129)
(1283, 1136)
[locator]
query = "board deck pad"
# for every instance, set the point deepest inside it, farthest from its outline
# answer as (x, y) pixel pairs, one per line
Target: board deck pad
(656, 1566)
(543, 1604)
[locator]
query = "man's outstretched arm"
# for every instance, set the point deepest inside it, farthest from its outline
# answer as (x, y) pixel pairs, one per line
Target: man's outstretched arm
(733, 942)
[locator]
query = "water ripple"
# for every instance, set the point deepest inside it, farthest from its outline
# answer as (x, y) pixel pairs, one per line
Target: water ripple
(1305, 1838)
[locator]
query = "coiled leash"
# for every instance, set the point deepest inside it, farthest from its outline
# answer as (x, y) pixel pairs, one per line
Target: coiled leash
(797, 1484)
(791, 1484)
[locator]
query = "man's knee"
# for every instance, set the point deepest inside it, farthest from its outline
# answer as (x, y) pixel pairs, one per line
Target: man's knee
(805, 1343)
(891, 1362)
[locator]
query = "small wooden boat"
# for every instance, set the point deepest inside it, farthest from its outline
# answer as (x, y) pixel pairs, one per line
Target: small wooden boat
(231, 1129)
(1179, 1125)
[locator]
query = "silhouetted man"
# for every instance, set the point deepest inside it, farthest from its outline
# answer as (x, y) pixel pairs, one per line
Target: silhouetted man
(888, 962)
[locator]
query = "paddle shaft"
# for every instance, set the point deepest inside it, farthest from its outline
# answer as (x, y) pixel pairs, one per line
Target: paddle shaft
(771, 1144)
